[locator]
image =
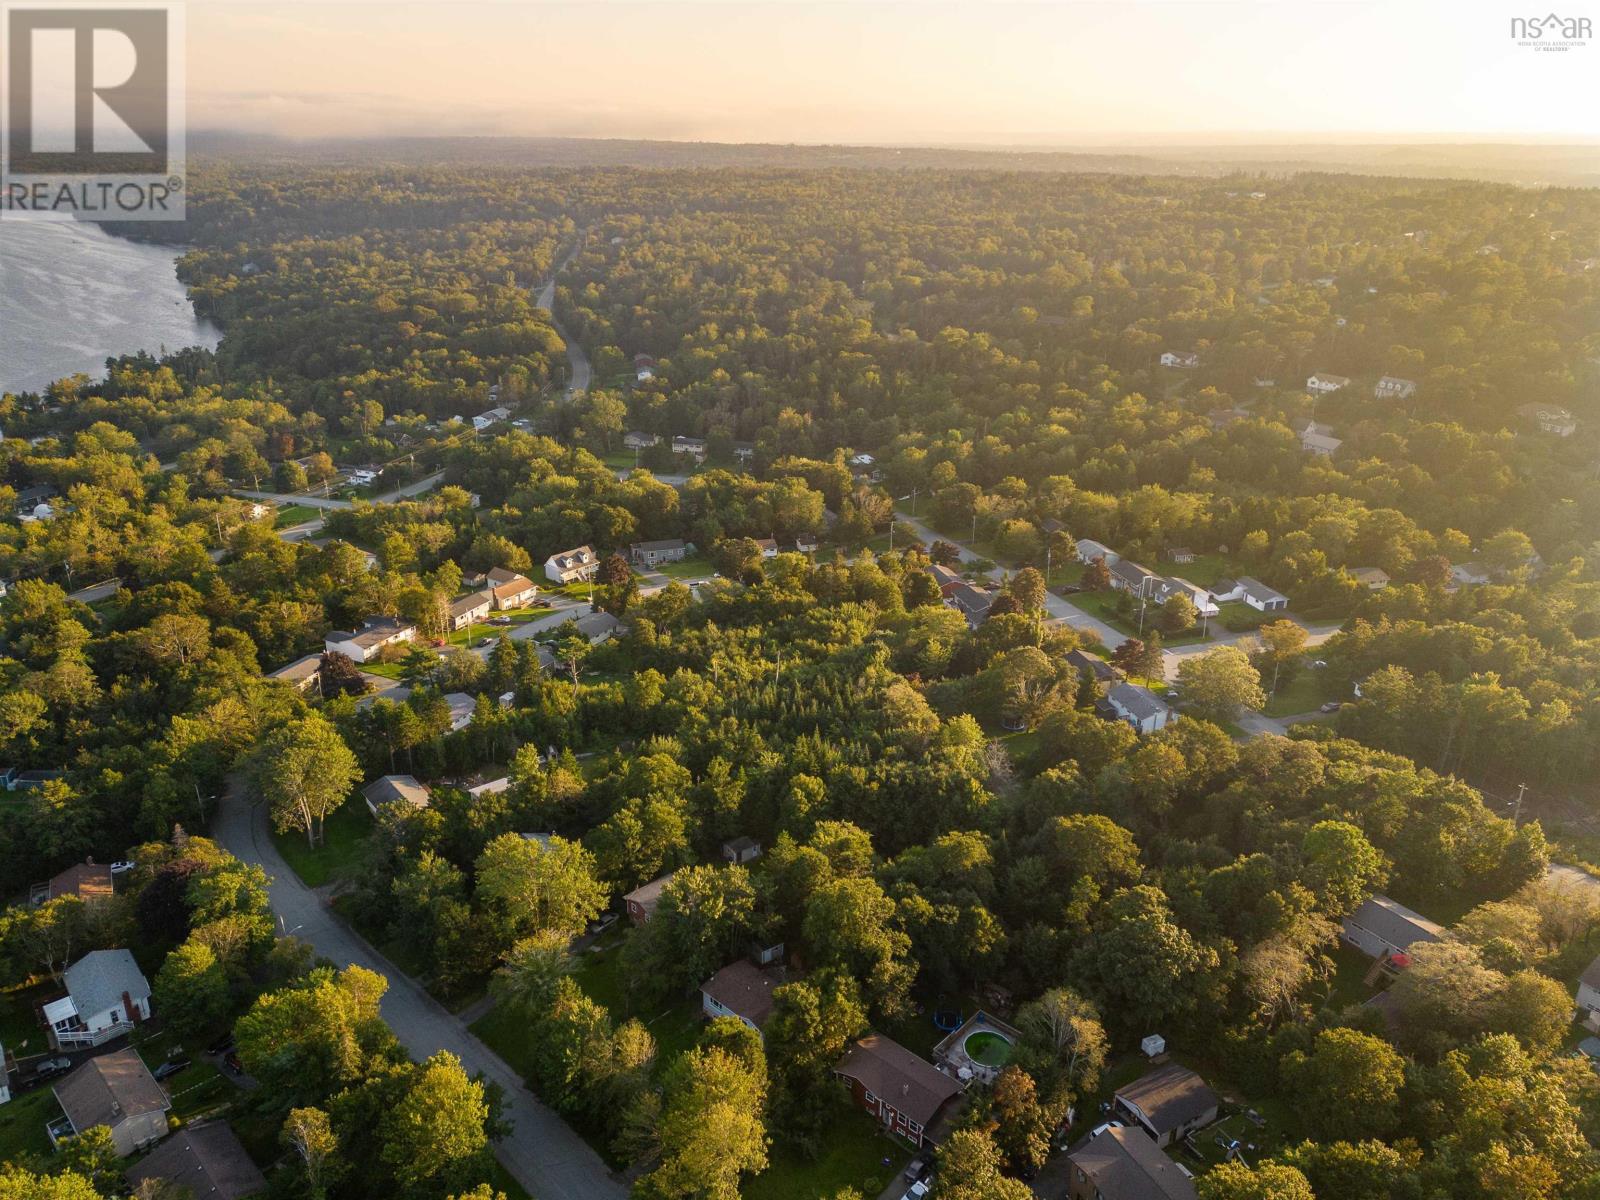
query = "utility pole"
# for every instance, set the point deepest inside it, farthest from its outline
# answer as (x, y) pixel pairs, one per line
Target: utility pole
(1516, 816)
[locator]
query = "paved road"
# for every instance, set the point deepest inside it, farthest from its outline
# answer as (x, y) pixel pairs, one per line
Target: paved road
(333, 504)
(577, 360)
(541, 1152)
(95, 591)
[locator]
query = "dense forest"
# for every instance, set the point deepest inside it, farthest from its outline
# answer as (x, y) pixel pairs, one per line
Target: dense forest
(945, 816)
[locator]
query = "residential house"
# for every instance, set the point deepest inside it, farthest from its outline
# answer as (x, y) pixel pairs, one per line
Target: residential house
(510, 589)
(1129, 576)
(1252, 591)
(471, 609)
(1589, 989)
(1467, 575)
(1184, 359)
(89, 881)
(644, 374)
(107, 995)
(692, 446)
(1318, 439)
(642, 360)
(806, 543)
(571, 566)
(115, 1090)
(1323, 383)
(375, 635)
(971, 602)
(908, 1096)
(32, 781)
(741, 850)
(1121, 1163)
(1089, 550)
(642, 901)
(636, 439)
(744, 452)
(303, 674)
(491, 788)
(742, 991)
(1102, 671)
(394, 789)
(1139, 707)
(945, 578)
(1166, 587)
(1181, 555)
(1382, 928)
(598, 626)
(462, 706)
(767, 546)
(1168, 1103)
(206, 1159)
(648, 554)
(1374, 579)
(1391, 388)
(1549, 418)
(862, 460)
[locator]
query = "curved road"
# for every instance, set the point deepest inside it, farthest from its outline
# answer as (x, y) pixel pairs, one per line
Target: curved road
(577, 360)
(541, 1152)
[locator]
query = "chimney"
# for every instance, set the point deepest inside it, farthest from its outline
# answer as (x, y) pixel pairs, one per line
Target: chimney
(132, 1009)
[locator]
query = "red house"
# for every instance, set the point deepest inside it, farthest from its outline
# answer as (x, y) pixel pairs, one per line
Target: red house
(908, 1096)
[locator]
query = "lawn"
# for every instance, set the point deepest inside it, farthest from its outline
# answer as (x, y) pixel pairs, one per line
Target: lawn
(20, 1030)
(1303, 692)
(344, 845)
(482, 629)
(696, 566)
(294, 514)
(389, 670)
(22, 1124)
(853, 1150)
(1348, 985)
(1104, 606)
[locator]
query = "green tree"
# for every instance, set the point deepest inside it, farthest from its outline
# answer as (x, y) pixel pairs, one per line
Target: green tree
(1269, 1181)
(308, 1133)
(438, 1125)
(1217, 685)
(191, 989)
(969, 1169)
(1348, 1085)
(303, 771)
(712, 1130)
(540, 888)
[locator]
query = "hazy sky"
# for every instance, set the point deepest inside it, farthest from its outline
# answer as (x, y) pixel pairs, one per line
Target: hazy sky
(868, 71)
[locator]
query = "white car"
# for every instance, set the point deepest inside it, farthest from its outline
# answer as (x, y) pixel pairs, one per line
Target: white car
(917, 1190)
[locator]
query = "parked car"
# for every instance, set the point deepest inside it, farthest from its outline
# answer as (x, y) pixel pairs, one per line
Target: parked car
(602, 923)
(222, 1045)
(117, 868)
(51, 1067)
(917, 1190)
(231, 1061)
(916, 1168)
(170, 1068)
(1332, 706)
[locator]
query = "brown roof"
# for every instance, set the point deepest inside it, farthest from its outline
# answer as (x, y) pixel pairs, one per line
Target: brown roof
(1169, 1097)
(745, 989)
(905, 1082)
(513, 585)
(1126, 1165)
(206, 1159)
(86, 880)
(109, 1089)
(648, 895)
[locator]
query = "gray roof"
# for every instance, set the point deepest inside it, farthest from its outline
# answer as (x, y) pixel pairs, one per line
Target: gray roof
(206, 1159)
(391, 788)
(597, 624)
(299, 669)
(971, 600)
(1395, 923)
(109, 1089)
(1101, 668)
(657, 546)
(744, 989)
(1126, 1165)
(470, 602)
(1131, 572)
(1137, 701)
(1259, 590)
(97, 980)
(1169, 1097)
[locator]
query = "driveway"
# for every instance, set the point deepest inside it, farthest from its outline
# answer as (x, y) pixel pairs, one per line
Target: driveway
(541, 1152)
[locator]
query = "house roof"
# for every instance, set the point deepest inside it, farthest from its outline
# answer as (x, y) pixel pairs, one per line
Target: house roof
(1369, 575)
(1137, 701)
(513, 585)
(461, 705)
(1094, 549)
(1130, 572)
(375, 631)
(97, 981)
(1325, 377)
(1394, 382)
(109, 1089)
(1169, 1097)
(1101, 668)
(597, 624)
(86, 880)
(392, 788)
(1125, 1164)
(971, 600)
(649, 894)
(657, 547)
(741, 844)
(907, 1083)
(470, 602)
(578, 556)
(1254, 587)
(1320, 441)
(943, 575)
(1395, 923)
(206, 1159)
(300, 669)
(745, 989)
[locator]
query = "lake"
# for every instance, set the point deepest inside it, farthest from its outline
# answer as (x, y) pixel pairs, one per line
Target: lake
(71, 296)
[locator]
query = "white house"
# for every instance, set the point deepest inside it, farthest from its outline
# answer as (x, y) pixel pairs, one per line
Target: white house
(1318, 439)
(1139, 707)
(644, 375)
(1173, 585)
(1589, 988)
(1381, 927)
(509, 589)
(1259, 596)
(1183, 359)
(639, 440)
(462, 706)
(1391, 388)
(569, 566)
(470, 609)
(107, 995)
(1550, 419)
(365, 644)
(861, 460)
(1089, 550)
(1323, 382)
(692, 446)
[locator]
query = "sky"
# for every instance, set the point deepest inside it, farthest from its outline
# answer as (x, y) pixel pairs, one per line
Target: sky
(912, 72)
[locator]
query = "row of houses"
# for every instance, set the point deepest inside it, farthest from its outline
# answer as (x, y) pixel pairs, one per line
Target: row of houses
(693, 447)
(1139, 580)
(1389, 387)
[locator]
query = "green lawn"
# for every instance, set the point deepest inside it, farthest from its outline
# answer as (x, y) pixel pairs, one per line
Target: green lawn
(1302, 693)
(482, 629)
(1347, 986)
(294, 514)
(853, 1149)
(20, 1030)
(389, 670)
(697, 566)
(1103, 605)
(343, 847)
(22, 1125)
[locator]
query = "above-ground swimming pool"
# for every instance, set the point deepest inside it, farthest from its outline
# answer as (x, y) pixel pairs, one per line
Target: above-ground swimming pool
(988, 1048)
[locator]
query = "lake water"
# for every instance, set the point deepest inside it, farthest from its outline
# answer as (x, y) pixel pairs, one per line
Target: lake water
(71, 296)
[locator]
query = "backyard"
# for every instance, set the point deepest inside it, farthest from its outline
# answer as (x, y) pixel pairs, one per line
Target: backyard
(344, 844)
(853, 1148)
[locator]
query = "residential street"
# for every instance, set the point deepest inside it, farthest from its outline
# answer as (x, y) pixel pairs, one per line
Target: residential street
(577, 360)
(541, 1153)
(333, 503)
